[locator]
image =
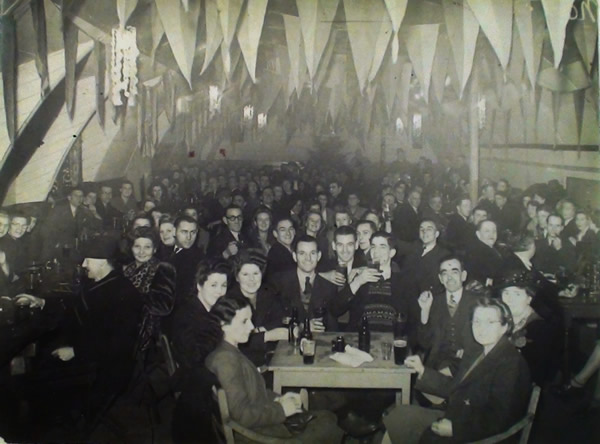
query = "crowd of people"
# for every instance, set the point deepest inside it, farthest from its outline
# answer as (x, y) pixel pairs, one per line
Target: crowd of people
(215, 258)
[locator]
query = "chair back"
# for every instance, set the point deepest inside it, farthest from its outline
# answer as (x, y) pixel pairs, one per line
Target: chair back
(165, 347)
(523, 426)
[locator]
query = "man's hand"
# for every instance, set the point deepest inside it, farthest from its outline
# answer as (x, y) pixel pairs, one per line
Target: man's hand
(231, 250)
(556, 243)
(317, 326)
(442, 427)
(415, 363)
(425, 301)
(334, 277)
(24, 299)
(291, 403)
(64, 353)
(2, 258)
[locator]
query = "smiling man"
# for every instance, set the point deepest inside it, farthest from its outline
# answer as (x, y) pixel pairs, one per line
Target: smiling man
(230, 239)
(280, 255)
(186, 255)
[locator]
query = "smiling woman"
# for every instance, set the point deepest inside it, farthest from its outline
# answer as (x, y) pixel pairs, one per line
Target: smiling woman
(154, 280)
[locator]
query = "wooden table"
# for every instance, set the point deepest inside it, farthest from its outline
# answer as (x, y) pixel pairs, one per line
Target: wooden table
(289, 370)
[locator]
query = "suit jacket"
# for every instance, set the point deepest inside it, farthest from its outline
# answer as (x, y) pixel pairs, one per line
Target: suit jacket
(249, 401)
(219, 243)
(108, 213)
(459, 233)
(323, 294)
(482, 262)
(61, 227)
(425, 269)
(431, 336)
(186, 264)
(491, 398)
(549, 260)
(406, 223)
(279, 259)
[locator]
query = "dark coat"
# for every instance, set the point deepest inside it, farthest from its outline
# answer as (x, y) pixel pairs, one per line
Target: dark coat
(324, 293)
(431, 336)
(62, 228)
(549, 260)
(186, 264)
(482, 262)
(279, 259)
(491, 398)
(425, 269)
(406, 223)
(459, 233)
(219, 243)
(108, 214)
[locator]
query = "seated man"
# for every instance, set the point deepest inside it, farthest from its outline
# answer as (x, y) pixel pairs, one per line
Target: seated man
(364, 231)
(303, 289)
(553, 253)
(379, 294)
(483, 260)
(344, 244)
(444, 330)
(104, 332)
(230, 239)
(280, 256)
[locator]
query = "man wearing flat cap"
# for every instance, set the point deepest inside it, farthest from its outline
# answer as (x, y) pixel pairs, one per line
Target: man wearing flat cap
(104, 332)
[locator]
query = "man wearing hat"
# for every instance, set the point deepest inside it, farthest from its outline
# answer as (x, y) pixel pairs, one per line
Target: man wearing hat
(103, 334)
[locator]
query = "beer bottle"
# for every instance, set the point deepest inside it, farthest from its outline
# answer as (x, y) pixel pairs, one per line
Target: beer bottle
(364, 335)
(306, 333)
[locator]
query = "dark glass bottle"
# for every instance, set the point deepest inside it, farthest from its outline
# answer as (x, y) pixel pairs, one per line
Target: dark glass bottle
(364, 335)
(292, 325)
(306, 333)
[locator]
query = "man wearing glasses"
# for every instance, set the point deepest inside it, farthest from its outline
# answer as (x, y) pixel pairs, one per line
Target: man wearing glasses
(230, 238)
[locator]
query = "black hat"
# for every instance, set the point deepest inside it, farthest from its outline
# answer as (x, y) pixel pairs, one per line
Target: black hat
(102, 247)
(515, 278)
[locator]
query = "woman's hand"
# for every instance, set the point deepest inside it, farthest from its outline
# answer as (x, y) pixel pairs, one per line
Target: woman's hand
(291, 403)
(442, 427)
(415, 363)
(276, 334)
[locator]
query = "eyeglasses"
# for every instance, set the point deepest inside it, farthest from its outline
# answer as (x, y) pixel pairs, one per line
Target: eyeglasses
(234, 218)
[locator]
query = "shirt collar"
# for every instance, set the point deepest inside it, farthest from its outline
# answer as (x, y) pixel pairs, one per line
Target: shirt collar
(427, 249)
(457, 295)
(302, 277)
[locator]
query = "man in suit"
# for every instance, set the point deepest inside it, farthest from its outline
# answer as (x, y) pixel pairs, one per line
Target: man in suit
(423, 263)
(105, 210)
(336, 195)
(364, 231)
(186, 256)
(553, 253)
(327, 213)
(230, 239)
(459, 231)
(355, 211)
(407, 218)
(483, 260)
(444, 330)
(302, 287)
(125, 203)
(280, 257)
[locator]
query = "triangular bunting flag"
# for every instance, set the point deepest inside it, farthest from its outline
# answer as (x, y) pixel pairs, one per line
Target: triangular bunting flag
(396, 9)
(229, 13)
(8, 54)
(294, 40)
(124, 10)
(70, 39)
(381, 44)
(181, 28)
(589, 125)
(157, 29)
(586, 35)
(214, 35)
(404, 89)
(316, 17)
(557, 14)
(462, 28)
(38, 14)
(325, 61)
(250, 31)
(529, 17)
(495, 18)
(421, 41)
(517, 61)
(440, 66)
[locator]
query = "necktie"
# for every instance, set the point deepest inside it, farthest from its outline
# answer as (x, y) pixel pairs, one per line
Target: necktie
(306, 294)
(452, 304)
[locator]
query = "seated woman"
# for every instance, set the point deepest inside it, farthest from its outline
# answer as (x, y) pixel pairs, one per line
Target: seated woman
(267, 312)
(488, 394)
(250, 403)
(535, 337)
(586, 241)
(155, 280)
(261, 233)
(166, 230)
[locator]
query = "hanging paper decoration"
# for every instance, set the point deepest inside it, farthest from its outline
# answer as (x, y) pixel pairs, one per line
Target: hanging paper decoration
(38, 14)
(481, 111)
(417, 125)
(421, 42)
(295, 47)
(262, 120)
(396, 9)
(214, 96)
(181, 28)
(557, 14)
(516, 62)
(323, 69)
(462, 28)
(229, 13)
(440, 66)
(404, 88)
(123, 66)
(214, 35)
(364, 23)
(250, 31)
(157, 30)
(8, 50)
(316, 17)
(495, 18)
(124, 10)
(70, 38)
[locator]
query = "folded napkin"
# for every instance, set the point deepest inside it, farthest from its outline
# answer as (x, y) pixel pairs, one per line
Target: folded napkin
(352, 357)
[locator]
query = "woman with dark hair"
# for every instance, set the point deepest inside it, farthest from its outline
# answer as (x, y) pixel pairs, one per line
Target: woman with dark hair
(250, 403)
(155, 280)
(488, 394)
(166, 231)
(536, 338)
(261, 232)
(267, 312)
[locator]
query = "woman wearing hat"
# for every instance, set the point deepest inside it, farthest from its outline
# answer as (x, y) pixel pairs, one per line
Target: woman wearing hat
(154, 280)
(267, 312)
(535, 337)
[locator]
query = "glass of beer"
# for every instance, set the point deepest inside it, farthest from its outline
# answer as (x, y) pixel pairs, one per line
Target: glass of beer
(308, 348)
(400, 351)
